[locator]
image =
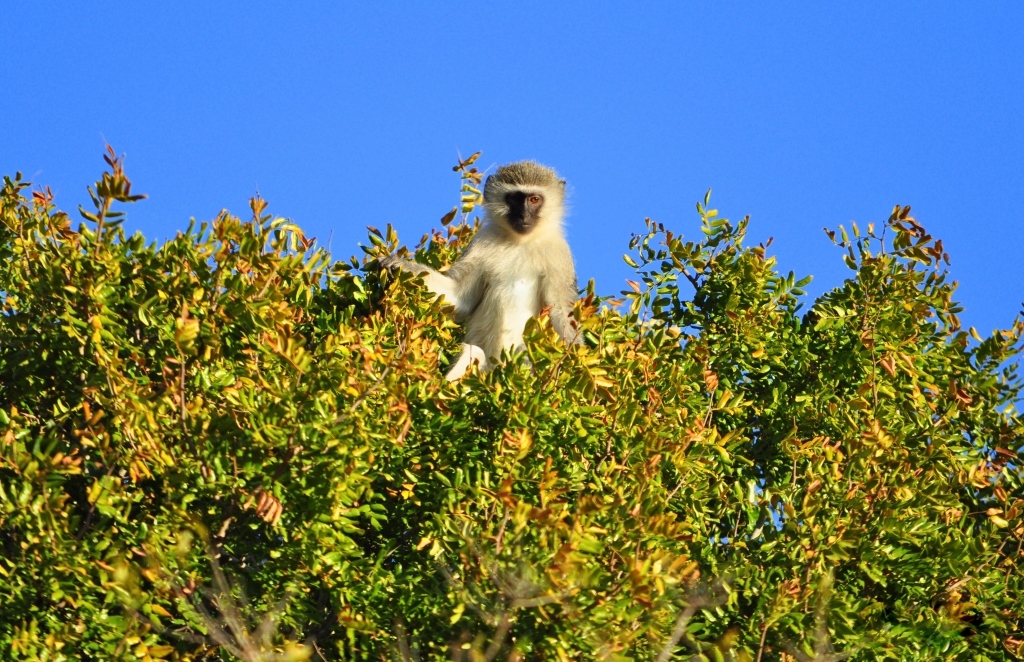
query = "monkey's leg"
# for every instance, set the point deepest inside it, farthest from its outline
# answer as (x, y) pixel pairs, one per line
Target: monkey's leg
(565, 325)
(470, 354)
(559, 293)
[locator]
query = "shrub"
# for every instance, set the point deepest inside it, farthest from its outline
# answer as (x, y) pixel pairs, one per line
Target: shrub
(229, 445)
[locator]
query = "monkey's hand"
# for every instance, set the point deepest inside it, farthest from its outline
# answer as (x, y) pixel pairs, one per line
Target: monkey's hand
(390, 262)
(438, 283)
(393, 262)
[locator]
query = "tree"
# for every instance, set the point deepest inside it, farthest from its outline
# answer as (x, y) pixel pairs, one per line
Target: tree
(229, 445)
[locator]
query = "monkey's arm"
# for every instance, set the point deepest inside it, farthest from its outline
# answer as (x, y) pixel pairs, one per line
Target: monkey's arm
(462, 287)
(558, 290)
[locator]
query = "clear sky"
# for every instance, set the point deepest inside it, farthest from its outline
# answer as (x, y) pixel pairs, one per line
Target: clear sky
(802, 115)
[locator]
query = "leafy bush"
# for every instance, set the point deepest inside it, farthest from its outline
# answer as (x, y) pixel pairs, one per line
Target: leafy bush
(230, 446)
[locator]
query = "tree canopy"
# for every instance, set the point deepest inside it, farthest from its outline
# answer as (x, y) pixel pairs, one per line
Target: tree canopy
(230, 446)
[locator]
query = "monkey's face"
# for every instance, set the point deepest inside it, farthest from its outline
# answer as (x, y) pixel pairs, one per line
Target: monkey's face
(524, 209)
(522, 197)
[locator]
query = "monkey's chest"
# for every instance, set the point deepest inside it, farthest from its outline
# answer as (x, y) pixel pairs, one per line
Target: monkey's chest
(519, 300)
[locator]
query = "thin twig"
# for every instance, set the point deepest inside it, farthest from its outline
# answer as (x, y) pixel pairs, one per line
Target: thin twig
(696, 603)
(373, 387)
(501, 532)
(498, 639)
(181, 378)
(760, 646)
(693, 281)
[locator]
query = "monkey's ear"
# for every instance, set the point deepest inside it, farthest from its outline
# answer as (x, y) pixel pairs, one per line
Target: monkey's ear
(561, 182)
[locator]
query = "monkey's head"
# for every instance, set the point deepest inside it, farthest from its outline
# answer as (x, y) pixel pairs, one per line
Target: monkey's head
(525, 196)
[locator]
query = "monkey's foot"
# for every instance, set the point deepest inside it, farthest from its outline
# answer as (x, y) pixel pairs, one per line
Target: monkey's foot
(470, 354)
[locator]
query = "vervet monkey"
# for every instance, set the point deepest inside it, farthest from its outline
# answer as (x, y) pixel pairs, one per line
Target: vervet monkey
(517, 264)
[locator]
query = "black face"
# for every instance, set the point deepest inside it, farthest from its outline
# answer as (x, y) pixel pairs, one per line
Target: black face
(523, 210)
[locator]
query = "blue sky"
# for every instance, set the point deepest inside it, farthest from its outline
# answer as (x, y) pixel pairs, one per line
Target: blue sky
(802, 115)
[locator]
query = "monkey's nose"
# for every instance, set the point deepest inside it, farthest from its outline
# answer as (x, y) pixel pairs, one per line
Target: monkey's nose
(523, 225)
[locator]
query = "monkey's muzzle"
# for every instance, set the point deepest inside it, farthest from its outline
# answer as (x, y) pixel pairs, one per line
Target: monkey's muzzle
(522, 225)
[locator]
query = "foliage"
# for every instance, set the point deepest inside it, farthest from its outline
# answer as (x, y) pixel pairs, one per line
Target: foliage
(715, 475)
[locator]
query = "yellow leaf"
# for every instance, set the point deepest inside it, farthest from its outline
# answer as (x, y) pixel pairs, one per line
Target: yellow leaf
(94, 491)
(186, 330)
(457, 614)
(160, 610)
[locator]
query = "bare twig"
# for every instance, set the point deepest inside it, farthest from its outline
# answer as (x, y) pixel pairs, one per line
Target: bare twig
(498, 639)
(228, 627)
(518, 591)
(373, 387)
(699, 600)
(823, 650)
(677, 632)
(405, 652)
(760, 645)
(693, 281)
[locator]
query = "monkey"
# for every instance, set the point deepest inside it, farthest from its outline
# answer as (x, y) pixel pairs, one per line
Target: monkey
(517, 264)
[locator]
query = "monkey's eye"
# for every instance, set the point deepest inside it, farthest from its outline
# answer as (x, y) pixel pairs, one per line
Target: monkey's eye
(534, 199)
